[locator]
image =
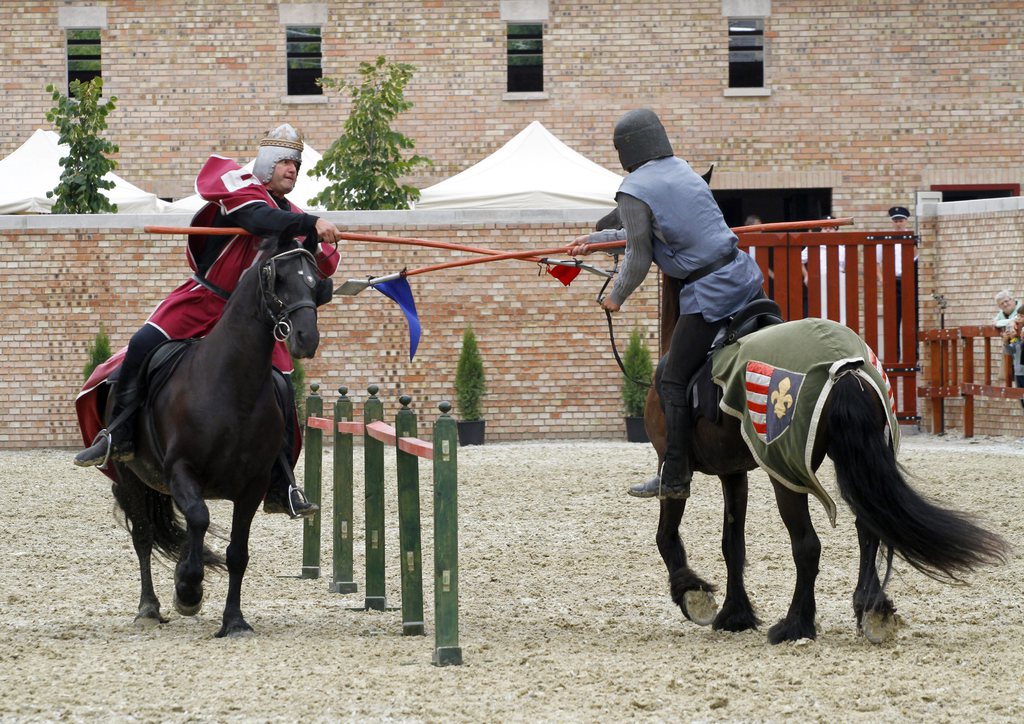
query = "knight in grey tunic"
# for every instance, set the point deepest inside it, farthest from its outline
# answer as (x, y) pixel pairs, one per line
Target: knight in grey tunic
(671, 218)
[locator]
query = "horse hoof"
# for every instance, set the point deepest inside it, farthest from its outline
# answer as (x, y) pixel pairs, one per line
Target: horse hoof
(700, 607)
(186, 610)
(235, 631)
(879, 627)
(145, 622)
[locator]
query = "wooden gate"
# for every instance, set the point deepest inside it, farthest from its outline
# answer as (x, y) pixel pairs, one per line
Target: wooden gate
(849, 277)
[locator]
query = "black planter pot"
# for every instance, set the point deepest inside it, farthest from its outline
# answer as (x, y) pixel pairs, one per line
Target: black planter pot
(471, 432)
(635, 431)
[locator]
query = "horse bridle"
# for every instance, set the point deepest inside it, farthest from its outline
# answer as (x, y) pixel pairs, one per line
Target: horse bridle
(276, 311)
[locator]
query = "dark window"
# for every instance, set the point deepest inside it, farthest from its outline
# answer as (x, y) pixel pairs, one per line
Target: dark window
(83, 55)
(304, 67)
(746, 53)
(525, 58)
(971, 192)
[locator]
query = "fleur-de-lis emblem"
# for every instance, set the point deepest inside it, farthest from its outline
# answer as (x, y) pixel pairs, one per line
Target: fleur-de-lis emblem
(781, 399)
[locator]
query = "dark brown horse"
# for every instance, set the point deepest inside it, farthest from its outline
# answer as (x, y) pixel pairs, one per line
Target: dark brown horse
(890, 515)
(215, 430)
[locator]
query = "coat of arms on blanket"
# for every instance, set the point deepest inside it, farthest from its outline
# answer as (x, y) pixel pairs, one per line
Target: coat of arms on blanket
(772, 393)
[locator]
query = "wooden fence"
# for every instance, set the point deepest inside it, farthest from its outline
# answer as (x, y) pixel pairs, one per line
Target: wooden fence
(953, 359)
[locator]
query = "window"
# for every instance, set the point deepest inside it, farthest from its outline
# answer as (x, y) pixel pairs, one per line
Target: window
(83, 55)
(302, 44)
(971, 192)
(525, 58)
(746, 53)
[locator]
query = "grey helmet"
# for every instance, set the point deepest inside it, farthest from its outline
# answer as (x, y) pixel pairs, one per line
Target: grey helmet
(640, 137)
(284, 143)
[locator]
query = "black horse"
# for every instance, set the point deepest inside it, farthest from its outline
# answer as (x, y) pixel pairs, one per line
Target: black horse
(213, 430)
(890, 515)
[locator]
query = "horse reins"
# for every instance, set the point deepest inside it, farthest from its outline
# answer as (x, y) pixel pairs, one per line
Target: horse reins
(611, 328)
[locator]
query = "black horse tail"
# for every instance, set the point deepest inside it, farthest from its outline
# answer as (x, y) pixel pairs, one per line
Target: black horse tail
(939, 542)
(170, 537)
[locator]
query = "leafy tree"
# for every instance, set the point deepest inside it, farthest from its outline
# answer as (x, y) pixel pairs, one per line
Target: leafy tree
(637, 366)
(469, 378)
(79, 120)
(99, 352)
(366, 161)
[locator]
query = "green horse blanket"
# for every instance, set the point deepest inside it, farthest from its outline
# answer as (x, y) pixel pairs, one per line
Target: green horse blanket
(776, 382)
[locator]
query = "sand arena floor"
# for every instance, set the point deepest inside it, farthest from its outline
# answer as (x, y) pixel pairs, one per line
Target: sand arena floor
(565, 613)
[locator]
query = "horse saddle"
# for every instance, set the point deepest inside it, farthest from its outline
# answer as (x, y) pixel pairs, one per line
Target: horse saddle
(703, 393)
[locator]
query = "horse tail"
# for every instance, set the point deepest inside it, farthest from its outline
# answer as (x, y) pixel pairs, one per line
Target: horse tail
(940, 542)
(170, 537)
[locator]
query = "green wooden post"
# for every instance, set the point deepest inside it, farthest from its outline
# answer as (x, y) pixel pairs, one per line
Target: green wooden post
(373, 471)
(342, 580)
(314, 465)
(411, 563)
(446, 540)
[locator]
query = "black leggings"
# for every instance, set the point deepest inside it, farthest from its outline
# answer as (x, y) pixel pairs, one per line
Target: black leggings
(691, 340)
(142, 343)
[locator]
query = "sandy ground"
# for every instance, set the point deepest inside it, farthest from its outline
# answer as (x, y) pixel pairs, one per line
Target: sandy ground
(565, 610)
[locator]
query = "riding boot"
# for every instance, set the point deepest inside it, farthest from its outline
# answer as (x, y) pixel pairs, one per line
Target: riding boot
(674, 480)
(116, 442)
(284, 494)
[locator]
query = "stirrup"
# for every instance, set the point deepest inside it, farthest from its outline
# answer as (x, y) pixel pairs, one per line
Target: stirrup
(297, 495)
(103, 434)
(680, 491)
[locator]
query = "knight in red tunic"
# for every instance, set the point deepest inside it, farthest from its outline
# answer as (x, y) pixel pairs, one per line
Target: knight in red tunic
(235, 198)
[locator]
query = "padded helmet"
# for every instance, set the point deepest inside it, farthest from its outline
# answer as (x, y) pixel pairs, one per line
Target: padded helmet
(640, 137)
(284, 143)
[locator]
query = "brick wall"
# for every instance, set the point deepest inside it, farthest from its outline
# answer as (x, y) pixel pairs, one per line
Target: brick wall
(548, 364)
(550, 371)
(876, 100)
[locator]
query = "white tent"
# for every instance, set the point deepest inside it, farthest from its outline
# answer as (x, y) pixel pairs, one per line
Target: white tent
(534, 170)
(306, 187)
(34, 168)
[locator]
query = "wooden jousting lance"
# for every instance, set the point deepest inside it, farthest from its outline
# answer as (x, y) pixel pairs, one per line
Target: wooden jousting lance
(354, 286)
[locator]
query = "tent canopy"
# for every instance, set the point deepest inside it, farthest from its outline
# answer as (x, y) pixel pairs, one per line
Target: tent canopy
(34, 168)
(306, 187)
(534, 170)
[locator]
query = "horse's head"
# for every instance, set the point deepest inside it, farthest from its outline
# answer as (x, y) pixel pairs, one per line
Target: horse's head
(291, 289)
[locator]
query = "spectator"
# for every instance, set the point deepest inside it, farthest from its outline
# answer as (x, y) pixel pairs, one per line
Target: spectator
(754, 220)
(1010, 319)
(899, 216)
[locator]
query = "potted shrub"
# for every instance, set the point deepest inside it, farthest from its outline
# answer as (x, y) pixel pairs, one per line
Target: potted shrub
(469, 388)
(638, 370)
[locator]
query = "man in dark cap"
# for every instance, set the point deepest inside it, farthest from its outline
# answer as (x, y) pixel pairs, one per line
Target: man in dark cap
(899, 216)
(671, 218)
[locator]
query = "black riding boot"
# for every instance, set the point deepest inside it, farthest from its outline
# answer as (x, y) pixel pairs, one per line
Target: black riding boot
(674, 480)
(118, 441)
(285, 495)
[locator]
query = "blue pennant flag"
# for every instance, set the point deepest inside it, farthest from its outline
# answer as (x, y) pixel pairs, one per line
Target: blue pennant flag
(399, 291)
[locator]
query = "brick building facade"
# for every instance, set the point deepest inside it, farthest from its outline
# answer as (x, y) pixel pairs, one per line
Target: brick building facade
(873, 102)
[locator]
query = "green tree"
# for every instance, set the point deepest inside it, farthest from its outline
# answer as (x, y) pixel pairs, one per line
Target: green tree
(99, 352)
(469, 379)
(638, 369)
(79, 120)
(365, 163)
